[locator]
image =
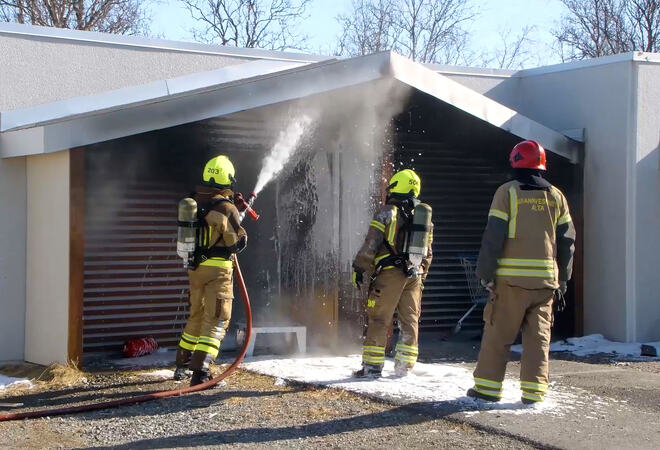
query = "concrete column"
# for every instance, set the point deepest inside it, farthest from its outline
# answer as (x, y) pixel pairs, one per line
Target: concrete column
(47, 274)
(12, 258)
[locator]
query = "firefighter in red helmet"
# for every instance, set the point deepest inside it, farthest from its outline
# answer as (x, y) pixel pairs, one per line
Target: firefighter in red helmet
(526, 259)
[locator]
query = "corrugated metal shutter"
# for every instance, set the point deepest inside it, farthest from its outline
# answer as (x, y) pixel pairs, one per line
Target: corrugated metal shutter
(135, 285)
(459, 187)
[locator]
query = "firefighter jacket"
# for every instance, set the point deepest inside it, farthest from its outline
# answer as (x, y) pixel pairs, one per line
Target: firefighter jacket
(223, 232)
(385, 233)
(529, 239)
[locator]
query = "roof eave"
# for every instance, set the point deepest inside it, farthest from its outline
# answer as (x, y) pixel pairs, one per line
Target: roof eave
(185, 104)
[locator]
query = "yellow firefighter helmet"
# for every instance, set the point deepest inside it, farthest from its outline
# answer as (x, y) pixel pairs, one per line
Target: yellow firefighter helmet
(406, 183)
(219, 172)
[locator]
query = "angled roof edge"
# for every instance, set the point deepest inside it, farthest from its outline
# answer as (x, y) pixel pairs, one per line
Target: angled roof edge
(117, 40)
(480, 106)
(87, 120)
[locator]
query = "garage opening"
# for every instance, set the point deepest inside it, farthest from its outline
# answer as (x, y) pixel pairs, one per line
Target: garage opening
(313, 216)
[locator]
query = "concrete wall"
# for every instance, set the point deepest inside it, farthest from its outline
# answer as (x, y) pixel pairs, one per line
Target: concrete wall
(37, 70)
(500, 88)
(47, 290)
(599, 99)
(646, 163)
(12, 258)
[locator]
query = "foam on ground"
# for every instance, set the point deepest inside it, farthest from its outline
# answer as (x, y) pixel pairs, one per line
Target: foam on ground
(444, 384)
(594, 344)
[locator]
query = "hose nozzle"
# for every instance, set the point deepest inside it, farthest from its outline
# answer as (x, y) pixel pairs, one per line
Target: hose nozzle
(245, 206)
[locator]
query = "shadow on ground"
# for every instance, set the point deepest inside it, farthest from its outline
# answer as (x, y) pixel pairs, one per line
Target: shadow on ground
(412, 414)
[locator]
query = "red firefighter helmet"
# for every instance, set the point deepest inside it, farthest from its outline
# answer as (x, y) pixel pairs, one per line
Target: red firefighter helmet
(528, 155)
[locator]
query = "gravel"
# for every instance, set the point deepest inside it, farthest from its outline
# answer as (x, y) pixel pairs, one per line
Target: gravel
(251, 411)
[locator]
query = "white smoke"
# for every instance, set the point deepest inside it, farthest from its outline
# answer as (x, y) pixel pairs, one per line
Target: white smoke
(286, 144)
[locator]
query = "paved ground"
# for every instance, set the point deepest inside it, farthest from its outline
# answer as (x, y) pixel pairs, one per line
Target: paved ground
(616, 405)
(618, 402)
(252, 411)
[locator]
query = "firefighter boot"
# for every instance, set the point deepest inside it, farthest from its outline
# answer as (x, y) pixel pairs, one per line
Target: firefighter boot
(401, 369)
(474, 394)
(182, 373)
(368, 371)
(182, 362)
(199, 377)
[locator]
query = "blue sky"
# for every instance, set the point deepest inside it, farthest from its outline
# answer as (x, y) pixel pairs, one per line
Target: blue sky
(171, 21)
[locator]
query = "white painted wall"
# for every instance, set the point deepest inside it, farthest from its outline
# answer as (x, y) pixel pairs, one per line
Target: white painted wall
(47, 287)
(647, 203)
(504, 89)
(599, 99)
(75, 68)
(12, 258)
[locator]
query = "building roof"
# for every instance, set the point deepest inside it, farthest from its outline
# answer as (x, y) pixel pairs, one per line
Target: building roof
(116, 40)
(124, 112)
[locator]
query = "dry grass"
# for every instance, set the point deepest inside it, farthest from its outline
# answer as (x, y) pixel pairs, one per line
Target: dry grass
(62, 375)
(55, 375)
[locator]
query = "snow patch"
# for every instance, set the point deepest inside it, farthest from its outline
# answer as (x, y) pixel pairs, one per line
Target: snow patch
(445, 384)
(7, 382)
(165, 374)
(594, 344)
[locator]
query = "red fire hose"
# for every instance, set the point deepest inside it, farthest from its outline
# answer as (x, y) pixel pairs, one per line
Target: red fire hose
(156, 395)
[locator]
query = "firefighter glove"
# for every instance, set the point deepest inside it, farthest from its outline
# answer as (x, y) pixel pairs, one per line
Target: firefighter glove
(560, 301)
(489, 285)
(357, 277)
(563, 287)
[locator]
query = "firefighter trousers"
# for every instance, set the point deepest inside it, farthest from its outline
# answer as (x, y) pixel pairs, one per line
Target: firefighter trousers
(390, 291)
(211, 296)
(510, 310)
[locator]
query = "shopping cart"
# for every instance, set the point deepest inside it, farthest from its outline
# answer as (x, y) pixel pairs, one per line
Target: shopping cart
(478, 294)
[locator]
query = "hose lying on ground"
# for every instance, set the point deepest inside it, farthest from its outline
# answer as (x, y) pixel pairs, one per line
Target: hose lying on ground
(156, 395)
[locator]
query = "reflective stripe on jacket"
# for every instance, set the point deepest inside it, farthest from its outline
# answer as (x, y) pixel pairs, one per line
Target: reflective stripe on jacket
(224, 229)
(520, 244)
(385, 228)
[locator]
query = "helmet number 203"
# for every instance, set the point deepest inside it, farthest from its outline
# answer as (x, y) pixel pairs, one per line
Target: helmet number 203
(213, 170)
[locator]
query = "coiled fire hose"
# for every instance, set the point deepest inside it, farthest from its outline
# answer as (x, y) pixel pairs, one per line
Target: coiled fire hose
(156, 395)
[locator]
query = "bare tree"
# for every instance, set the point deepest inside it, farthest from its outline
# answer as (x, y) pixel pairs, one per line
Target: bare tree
(513, 51)
(593, 28)
(433, 30)
(423, 30)
(369, 28)
(644, 18)
(109, 16)
(267, 24)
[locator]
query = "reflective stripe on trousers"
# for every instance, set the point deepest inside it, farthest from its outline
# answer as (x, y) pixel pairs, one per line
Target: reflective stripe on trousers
(373, 355)
(406, 353)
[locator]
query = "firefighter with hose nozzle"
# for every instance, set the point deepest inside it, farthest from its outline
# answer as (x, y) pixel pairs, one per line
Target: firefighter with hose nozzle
(525, 261)
(395, 256)
(209, 234)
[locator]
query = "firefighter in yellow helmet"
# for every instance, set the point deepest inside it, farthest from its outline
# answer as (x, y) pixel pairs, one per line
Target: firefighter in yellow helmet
(395, 256)
(211, 283)
(526, 259)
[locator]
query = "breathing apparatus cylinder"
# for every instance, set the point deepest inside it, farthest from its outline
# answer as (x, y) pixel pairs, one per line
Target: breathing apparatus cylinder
(418, 238)
(187, 229)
